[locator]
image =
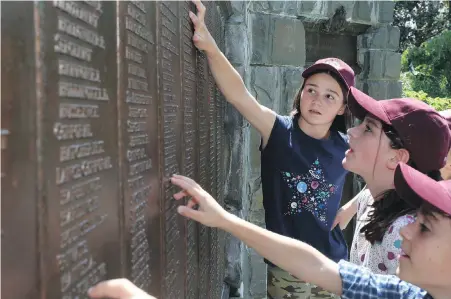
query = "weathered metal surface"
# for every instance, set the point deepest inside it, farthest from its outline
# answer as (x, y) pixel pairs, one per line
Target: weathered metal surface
(18, 154)
(190, 136)
(101, 103)
(138, 142)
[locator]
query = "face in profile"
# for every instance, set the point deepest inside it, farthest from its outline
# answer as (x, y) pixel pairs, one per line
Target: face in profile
(370, 153)
(426, 258)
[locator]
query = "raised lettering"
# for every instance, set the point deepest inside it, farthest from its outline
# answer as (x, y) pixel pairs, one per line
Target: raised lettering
(72, 131)
(73, 90)
(76, 151)
(136, 98)
(82, 169)
(67, 68)
(75, 10)
(140, 167)
(78, 111)
(133, 55)
(86, 35)
(65, 46)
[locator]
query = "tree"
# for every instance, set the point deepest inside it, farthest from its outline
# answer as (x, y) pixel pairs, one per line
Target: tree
(428, 66)
(420, 20)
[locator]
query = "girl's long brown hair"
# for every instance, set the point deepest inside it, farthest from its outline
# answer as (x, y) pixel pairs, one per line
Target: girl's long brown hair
(390, 206)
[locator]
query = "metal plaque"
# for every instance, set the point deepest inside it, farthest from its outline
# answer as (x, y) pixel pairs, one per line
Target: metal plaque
(138, 142)
(76, 98)
(102, 102)
(189, 146)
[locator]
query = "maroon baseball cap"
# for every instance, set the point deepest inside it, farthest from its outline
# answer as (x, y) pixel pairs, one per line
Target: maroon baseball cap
(338, 66)
(424, 132)
(416, 187)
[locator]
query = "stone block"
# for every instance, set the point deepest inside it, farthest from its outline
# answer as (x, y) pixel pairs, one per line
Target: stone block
(233, 276)
(292, 81)
(379, 64)
(392, 65)
(277, 40)
(386, 11)
(333, 6)
(288, 42)
(265, 85)
(236, 43)
(377, 89)
(363, 12)
(261, 38)
(291, 8)
(308, 7)
(373, 12)
(394, 89)
(238, 12)
(383, 37)
(381, 89)
(320, 45)
(258, 275)
(275, 7)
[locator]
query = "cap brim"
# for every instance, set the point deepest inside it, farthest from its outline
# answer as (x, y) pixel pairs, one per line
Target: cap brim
(415, 187)
(361, 104)
(323, 67)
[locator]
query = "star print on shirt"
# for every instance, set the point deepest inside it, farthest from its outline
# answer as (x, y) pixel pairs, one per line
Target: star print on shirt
(311, 192)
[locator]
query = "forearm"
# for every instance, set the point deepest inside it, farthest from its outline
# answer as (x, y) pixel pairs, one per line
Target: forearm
(295, 257)
(350, 209)
(227, 78)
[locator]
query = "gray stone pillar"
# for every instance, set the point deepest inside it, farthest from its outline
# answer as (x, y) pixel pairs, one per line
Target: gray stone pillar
(237, 141)
(377, 56)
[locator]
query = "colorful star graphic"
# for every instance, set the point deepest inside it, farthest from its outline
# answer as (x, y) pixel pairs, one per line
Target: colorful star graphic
(310, 192)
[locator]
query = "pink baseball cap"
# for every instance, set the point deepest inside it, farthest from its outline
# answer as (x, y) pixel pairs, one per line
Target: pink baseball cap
(335, 65)
(416, 187)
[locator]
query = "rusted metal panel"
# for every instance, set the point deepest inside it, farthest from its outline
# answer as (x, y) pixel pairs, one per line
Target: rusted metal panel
(138, 142)
(19, 257)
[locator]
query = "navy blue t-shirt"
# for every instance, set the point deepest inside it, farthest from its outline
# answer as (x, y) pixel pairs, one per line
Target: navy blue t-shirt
(302, 182)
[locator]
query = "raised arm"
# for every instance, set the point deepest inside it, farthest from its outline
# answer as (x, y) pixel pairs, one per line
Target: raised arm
(296, 257)
(227, 78)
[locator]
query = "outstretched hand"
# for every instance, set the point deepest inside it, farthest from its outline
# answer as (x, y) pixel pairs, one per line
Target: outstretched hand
(117, 289)
(202, 38)
(209, 212)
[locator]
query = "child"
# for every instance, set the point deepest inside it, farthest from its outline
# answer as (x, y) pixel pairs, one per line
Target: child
(392, 131)
(425, 263)
(301, 154)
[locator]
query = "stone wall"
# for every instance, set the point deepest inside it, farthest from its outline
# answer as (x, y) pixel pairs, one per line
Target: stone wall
(270, 43)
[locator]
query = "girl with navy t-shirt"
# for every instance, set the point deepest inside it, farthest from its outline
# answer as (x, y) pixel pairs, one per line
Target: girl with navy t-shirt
(301, 154)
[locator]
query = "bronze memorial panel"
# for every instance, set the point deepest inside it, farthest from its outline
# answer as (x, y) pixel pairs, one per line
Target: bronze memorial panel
(102, 101)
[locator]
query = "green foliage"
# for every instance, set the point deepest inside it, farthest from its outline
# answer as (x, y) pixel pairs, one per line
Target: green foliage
(429, 66)
(438, 103)
(420, 20)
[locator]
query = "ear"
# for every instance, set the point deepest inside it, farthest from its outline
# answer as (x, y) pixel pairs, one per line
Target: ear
(342, 110)
(401, 155)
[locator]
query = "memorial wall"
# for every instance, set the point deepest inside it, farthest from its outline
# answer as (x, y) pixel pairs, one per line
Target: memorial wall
(101, 103)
